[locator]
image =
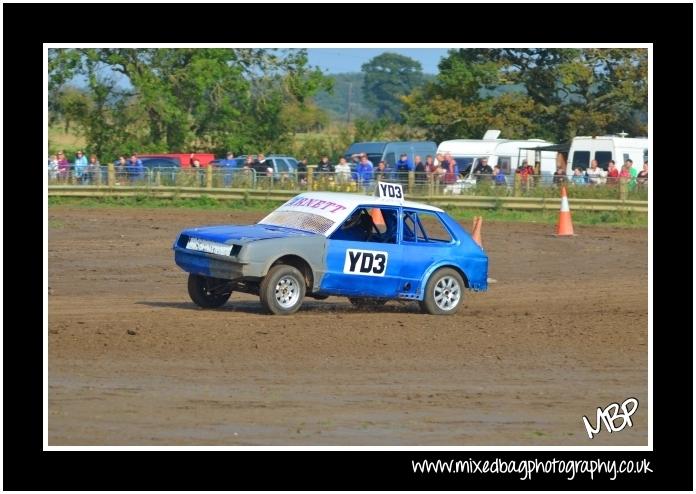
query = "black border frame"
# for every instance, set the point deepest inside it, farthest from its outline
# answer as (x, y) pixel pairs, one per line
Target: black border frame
(27, 26)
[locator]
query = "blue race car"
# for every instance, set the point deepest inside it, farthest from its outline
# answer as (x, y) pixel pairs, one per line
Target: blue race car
(368, 248)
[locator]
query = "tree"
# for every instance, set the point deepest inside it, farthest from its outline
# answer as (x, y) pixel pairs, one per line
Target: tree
(188, 98)
(389, 77)
(549, 93)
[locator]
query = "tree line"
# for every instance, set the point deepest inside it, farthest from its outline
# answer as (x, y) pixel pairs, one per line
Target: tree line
(220, 99)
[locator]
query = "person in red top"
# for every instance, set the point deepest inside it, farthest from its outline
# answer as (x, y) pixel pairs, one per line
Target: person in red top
(525, 171)
(612, 173)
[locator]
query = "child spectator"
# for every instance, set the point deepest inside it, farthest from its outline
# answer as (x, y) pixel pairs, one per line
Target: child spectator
(498, 176)
(578, 177)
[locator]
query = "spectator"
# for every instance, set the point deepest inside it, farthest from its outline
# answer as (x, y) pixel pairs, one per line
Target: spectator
(249, 162)
(578, 177)
(625, 175)
(91, 174)
(80, 164)
(135, 168)
(403, 167)
(559, 176)
(612, 173)
(439, 158)
(526, 173)
(53, 167)
(365, 173)
(632, 172)
(324, 167)
(262, 168)
(120, 164)
(195, 163)
(483, 171)
(420, 168)
(302, 171)
(642, 177)
(429, 164)
(342, 172)
(63, 165)
(498, 176)
(451, 169)
(229, 163)
(595, 174)
(383, 173)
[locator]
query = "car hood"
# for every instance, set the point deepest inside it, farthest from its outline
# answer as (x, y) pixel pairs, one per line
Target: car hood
(241, 234)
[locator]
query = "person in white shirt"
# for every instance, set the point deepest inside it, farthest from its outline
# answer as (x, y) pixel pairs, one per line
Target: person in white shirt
(595, 174)
(342, 172)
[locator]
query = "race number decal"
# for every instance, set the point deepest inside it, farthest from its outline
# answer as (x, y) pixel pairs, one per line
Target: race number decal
(365, 262)
(392, 191)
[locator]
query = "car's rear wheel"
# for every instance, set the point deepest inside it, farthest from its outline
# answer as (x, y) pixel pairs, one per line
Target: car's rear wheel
(444, 292)
(366, 303)
(282, 290)
(208, 292)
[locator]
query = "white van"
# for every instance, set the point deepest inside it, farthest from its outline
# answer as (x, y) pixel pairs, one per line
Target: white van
(604, 148)
(507, 153)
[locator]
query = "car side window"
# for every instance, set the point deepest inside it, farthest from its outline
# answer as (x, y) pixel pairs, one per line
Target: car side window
(424, 227)
(409, 226)
(281, 166)
(369, 225)
(432, 229)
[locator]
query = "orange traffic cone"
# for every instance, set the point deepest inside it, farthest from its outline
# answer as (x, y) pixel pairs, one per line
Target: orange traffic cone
(565, 224)
(476, 230)
(377, 217)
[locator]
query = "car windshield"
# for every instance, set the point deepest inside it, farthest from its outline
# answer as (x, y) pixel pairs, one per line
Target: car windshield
(308, 222)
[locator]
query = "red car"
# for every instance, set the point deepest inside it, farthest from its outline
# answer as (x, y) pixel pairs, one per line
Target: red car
(184, 158)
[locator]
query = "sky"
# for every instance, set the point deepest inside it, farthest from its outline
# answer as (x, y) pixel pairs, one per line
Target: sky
(337, 60)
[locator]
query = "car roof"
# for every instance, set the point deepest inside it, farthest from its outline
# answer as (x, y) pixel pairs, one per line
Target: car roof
(351, 201)
(337, 206)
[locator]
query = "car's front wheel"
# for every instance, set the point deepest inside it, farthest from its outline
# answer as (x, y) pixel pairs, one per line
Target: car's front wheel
(282, 290)
(444, 292)
(208, 292)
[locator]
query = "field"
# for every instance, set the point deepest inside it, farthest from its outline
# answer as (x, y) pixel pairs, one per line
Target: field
(133, 362)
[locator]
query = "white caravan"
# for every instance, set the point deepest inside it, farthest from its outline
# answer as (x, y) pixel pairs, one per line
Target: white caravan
(507, 153)
(604, 148)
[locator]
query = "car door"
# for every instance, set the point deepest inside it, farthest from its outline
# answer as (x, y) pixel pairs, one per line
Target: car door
(365, 268)
(425, 241)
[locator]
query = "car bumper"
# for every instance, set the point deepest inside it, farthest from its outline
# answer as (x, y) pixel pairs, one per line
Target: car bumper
(213, 265)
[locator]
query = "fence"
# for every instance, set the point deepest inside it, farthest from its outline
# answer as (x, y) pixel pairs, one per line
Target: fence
(420, 186)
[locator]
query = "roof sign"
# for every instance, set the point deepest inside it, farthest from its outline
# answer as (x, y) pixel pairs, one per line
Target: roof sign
(388, 190)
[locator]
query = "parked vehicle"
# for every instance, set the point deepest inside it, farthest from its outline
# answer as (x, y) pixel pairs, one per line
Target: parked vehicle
(509, 154)
(282, 165)
(506, 153)
(184, 158)
(584, 149)
(389, 151)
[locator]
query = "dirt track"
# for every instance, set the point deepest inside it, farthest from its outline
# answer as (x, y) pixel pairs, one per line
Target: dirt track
(564, 331)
